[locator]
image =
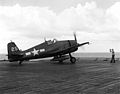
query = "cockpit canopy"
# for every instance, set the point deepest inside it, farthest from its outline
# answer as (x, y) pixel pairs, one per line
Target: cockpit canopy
(49, 42)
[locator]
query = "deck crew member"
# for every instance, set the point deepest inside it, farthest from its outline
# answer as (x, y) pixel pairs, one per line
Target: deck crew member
(113, 56)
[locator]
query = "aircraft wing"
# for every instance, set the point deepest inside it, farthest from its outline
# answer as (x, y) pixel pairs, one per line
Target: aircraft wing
(83, 44)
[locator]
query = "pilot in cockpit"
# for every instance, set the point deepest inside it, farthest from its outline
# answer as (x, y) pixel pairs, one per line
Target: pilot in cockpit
(49, 42)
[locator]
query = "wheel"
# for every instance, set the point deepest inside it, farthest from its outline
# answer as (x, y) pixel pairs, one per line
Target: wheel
(73, 60)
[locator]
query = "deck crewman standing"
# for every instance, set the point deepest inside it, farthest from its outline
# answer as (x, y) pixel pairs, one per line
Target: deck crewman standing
(113, 56)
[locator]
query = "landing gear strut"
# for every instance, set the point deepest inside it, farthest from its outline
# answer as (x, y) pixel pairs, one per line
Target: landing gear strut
(72, 59)
(60, 61)
(20, 62)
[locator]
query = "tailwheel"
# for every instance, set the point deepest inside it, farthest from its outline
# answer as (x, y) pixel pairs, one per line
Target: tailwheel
(73, 60)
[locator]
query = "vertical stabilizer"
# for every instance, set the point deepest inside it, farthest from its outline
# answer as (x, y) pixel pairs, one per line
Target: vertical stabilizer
(13, 51)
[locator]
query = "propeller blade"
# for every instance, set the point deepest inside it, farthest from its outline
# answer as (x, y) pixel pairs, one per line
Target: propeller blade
(75, 36)
(83, 44)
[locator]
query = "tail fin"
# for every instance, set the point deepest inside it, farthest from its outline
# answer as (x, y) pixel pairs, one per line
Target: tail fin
(13, 51)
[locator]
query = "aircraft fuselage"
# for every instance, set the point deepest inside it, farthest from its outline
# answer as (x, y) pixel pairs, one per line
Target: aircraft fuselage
(49, 49)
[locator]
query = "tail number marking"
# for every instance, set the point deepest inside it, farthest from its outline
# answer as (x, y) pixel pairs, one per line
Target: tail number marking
(14, 49)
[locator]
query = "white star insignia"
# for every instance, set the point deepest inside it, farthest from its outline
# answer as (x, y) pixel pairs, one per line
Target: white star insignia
(35, 52)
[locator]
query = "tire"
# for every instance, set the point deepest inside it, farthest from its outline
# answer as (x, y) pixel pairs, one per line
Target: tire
(73, 60)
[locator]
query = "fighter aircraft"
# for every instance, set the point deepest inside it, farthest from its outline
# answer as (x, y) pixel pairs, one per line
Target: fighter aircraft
(59, 50)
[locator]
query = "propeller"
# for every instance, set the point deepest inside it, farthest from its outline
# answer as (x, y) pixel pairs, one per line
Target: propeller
(75, 36)
(78, 43)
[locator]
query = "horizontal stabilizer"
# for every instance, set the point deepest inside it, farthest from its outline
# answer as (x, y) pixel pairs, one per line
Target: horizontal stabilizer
(17, 54)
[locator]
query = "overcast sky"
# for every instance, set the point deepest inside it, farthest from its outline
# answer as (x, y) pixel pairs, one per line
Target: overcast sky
(28, 22)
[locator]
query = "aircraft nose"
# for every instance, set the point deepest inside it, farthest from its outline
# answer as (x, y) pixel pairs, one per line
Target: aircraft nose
(74, 43)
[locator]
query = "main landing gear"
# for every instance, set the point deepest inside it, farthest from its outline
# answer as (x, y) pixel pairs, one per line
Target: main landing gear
(20, 62)
(72, 59)
(61, 58)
